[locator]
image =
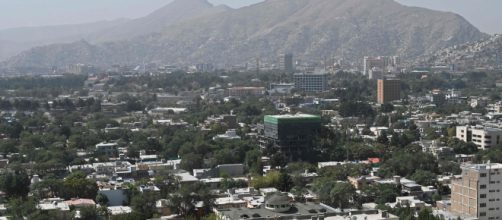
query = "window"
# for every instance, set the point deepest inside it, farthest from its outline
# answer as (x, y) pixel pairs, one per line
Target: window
(482, 196)
(482, 214)
(482, 186)
(482, 174)
(482, 205)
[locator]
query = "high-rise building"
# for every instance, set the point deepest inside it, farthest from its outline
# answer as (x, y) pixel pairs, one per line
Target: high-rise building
(483, 137)
(477, 193)
(381, 63)
(388, 90)
(311, 82)
(291, 134)
(286, 63)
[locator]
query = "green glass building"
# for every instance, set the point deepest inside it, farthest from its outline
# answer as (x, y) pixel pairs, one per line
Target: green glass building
(292, 134)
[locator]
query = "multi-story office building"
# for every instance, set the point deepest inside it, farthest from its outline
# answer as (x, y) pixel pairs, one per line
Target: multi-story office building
(291, 134)
(483, 137)
(286, 63)
(388, 90)
(311, 82)
(477, 194)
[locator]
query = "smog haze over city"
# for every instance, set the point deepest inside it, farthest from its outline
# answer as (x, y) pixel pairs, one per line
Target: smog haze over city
(250, 109)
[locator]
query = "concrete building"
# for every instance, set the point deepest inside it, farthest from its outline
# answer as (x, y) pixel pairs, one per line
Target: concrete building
(483, 137)
(477, 192)
(291, 134)
(281, 88)
(366, 215)
(388, 90)
(278, 206)
(311, 82)
(230, 134)
(246, 91)
(107, 149)
(383, 63)
(286, 63)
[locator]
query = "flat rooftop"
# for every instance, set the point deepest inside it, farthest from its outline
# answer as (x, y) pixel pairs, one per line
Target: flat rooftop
(297, 211)
(292, 118)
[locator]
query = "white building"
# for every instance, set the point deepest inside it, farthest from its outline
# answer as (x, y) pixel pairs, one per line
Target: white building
(477, 192)
(230, 134)
(483, 137)
(311, 82)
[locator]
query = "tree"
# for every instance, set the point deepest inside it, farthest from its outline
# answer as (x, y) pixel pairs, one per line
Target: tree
(102, 199)
(382, 139)
(285, 182)
(88, 213)
(341, 195)
(270, 180)
(77, 186)
(15, 184)
(405, 162)
(461, 147)
(191, 161)
(381, 193)
(341, 172)
(278, 160)
(144, 203)
(17, 208)
(356, 109)
(425, 178)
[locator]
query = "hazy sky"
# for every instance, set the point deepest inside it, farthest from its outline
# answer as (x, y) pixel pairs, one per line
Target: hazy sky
(485, 14)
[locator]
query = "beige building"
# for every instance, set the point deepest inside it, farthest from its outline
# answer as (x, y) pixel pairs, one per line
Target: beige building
(246, 91)
(388, 90)
(476, 194)
(483, 137)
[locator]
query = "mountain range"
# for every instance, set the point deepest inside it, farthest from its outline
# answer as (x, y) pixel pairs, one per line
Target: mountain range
(16, 40)
(194, 31)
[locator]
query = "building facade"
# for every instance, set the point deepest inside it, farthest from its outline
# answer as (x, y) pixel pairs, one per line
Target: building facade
(314, 82)
(388, 90)
(293, 135)
(286, 63)
(477, 193)
(483, 137)
(246, 91)
(382, 63)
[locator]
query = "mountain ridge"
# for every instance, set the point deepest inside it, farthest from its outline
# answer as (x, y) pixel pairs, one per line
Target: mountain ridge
(16, 40)
(312, 29)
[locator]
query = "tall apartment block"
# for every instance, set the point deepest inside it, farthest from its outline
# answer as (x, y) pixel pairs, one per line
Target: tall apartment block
(388, 90)
(477, 193)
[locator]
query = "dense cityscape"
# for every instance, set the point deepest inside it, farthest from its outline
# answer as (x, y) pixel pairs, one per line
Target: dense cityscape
(279, 136)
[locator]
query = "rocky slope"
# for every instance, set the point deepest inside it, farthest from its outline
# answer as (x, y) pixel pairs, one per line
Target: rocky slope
(311, 29)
